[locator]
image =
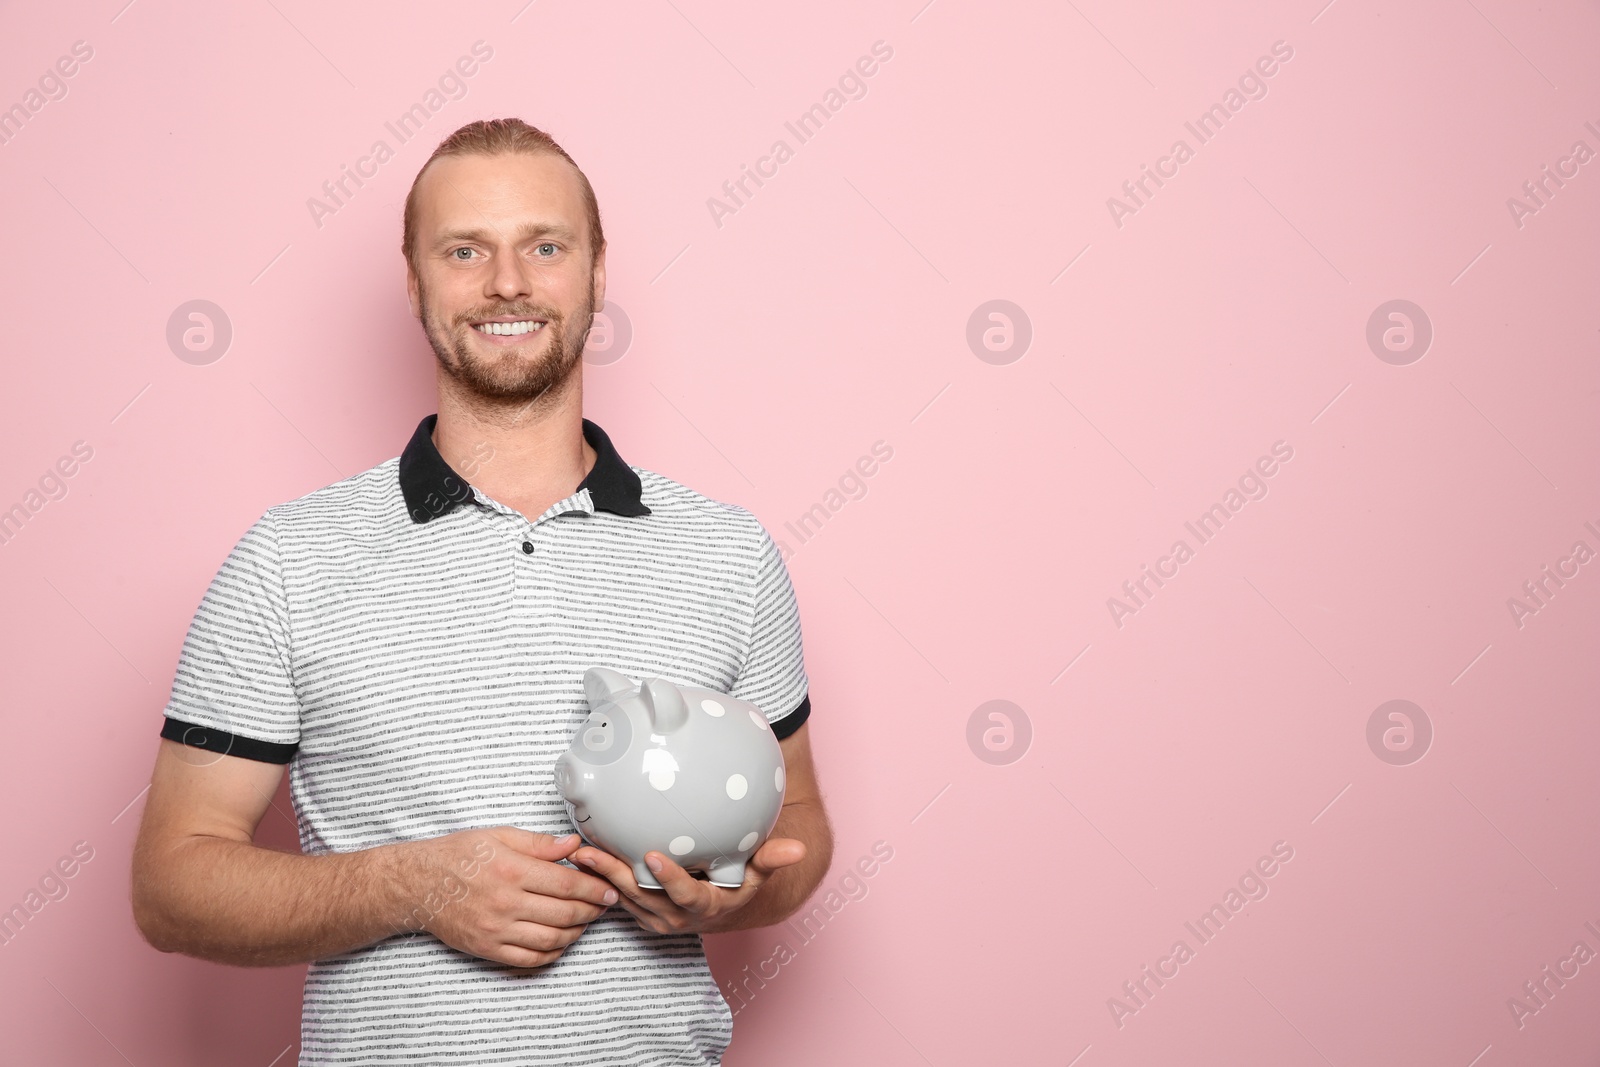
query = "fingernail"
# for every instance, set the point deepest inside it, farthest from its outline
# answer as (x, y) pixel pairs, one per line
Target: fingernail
(653, 863)
(587, 861)
(610, 896)
(564, 839)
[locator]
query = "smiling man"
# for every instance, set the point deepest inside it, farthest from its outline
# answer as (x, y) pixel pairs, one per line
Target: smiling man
(411, 643)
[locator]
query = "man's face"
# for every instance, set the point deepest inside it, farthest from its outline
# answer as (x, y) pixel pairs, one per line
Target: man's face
(502, 245)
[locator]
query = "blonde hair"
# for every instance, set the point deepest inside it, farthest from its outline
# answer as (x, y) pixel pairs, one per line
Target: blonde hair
(491, 137)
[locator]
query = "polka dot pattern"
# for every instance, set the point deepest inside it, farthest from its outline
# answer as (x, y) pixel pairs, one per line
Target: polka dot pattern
(777, 779)
(680, 845)
(737, 787)
(712, 708)
(748, 841)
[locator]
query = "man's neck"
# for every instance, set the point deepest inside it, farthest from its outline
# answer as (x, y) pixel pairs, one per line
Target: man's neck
(527, 457)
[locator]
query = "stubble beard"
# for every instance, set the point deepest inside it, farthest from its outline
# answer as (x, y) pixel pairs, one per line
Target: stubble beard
(512, 376)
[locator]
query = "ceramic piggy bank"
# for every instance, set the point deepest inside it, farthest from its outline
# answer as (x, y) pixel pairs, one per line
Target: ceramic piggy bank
(691, 773)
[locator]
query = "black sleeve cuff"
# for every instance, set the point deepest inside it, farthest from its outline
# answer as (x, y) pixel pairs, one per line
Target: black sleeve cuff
(794, 720)
(227, 744)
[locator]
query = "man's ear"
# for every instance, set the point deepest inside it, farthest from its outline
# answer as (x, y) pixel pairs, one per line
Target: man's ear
(413, 293)
(599, 274)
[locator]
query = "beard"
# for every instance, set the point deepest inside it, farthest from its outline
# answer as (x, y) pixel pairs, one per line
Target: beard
(537, 368)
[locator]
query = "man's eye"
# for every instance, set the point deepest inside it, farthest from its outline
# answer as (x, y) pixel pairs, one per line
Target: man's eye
(550, 246)
(462, 253)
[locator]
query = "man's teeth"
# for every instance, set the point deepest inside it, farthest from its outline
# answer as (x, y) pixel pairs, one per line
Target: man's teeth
(509, 328)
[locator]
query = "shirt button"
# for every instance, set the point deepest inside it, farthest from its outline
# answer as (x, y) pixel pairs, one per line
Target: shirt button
(527, 546)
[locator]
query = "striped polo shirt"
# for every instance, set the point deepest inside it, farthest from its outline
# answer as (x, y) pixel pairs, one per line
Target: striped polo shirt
(415, 651)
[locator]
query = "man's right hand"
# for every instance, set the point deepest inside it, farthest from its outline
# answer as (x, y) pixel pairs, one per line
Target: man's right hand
(499, 893)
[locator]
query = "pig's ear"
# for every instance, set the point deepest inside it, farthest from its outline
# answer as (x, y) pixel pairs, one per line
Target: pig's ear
(665, 704)
(601, 684)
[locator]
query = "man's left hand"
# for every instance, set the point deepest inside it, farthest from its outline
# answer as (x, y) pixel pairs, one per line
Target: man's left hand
(684, 903)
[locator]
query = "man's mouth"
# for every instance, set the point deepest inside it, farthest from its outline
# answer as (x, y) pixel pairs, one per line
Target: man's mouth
(508, 327)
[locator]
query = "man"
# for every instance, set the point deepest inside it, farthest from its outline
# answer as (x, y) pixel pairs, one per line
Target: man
(411, 642)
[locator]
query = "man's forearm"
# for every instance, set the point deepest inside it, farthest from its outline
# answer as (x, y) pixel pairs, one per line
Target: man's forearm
(781, 895)
(238, 903)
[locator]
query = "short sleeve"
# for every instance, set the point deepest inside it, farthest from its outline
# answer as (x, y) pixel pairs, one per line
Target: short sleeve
(234, 688)
(773, 677)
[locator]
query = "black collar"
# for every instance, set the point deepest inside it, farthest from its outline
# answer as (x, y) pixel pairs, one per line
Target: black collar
(431, 488)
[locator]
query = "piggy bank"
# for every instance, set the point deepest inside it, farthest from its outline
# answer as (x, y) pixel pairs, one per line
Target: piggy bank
(692, 773)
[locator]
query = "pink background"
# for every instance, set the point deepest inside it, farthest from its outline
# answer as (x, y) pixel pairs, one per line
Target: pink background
(769, 353)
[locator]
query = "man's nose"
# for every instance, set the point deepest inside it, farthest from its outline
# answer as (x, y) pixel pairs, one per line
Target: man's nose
(511, 278)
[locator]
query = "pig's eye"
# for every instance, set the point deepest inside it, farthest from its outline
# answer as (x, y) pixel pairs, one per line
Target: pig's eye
(603, 739)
